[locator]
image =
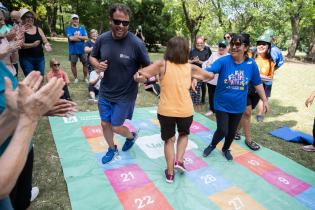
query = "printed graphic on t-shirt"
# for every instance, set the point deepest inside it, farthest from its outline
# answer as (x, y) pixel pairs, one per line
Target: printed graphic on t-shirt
(236, 81)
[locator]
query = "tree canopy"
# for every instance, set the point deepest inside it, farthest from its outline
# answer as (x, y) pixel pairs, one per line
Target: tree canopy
(293, 21)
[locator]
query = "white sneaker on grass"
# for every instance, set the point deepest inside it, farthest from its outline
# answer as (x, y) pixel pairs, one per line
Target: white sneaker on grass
(309, 148)
(76, 80)
(35, 192)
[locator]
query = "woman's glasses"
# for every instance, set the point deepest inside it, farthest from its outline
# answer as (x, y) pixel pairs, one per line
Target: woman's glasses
(261, 43)
(236, 44)
(29, 17)
(123, 22)
(227, 37)
(56, 64)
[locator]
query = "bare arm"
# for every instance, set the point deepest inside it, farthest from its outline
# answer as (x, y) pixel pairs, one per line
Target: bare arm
(31, 106)
(13, 159)
(88, 49)
(101, 66)
(310, 99)
(8, 122)
(200, 74)
(83, 38)
(74, 38)
(152, 70)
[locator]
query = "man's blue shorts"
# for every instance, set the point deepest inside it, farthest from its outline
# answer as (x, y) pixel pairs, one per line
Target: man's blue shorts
(115, 113)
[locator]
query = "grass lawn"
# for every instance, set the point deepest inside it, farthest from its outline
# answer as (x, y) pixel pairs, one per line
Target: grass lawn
(292, 85)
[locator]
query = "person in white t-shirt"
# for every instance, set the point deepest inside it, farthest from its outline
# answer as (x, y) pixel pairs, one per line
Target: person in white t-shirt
(222, 51)
(94, 85)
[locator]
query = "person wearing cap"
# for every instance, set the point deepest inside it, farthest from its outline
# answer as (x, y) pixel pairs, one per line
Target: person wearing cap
(77, 35)
(197, 56)
(266, 67)
(119, 54)
(236, 71)
(31, 55)
(275, 51)
(277, 58)
(222, 51)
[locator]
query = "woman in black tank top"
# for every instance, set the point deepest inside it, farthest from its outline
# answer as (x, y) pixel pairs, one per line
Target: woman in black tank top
(32, 53)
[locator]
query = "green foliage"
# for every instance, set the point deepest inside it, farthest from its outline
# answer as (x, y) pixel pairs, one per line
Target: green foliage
(155, 23)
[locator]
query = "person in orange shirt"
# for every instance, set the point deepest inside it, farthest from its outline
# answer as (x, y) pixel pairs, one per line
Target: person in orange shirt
(266, 66)
(56, 71)
(175, 107)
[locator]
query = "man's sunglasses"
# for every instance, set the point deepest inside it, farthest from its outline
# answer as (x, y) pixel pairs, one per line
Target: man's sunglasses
(118, 22)
(56, 64)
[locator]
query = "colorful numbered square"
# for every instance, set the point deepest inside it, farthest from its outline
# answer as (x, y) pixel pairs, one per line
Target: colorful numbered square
(99, 144)
(307, 197)
(153, 146)
(92, 131)
(205, 136)
(236, 149)
(123, 159)
(254, 163)
(192, 162)
(127, 178)
(234, 198)
(208, 180)
(286, 182)
(147, 197)
(130, 126)
(197, 127)
(145, 125)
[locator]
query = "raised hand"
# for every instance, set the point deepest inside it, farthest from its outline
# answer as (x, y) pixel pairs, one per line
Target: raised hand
(33, 105)
(62, 108)
(33, 81)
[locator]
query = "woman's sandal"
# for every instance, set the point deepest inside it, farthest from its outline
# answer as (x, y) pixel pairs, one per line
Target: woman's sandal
(237, 136)
(252, 145)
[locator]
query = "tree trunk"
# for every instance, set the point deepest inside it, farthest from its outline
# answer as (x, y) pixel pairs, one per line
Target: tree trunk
(311, 53)
(294, 36)
(61, 19)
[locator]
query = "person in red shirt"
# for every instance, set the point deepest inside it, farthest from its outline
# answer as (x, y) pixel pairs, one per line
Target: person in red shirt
(56, 71)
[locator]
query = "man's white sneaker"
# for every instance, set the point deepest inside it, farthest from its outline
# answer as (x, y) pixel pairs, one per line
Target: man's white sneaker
(76, 80)
(35, 192)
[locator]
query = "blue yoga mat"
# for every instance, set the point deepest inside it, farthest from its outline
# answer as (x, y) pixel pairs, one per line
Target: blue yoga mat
(288, 134)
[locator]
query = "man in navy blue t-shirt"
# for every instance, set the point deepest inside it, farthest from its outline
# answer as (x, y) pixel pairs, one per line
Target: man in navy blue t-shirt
(119, 54)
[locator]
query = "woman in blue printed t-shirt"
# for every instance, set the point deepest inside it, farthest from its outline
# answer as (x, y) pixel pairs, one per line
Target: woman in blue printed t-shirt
(235, 71)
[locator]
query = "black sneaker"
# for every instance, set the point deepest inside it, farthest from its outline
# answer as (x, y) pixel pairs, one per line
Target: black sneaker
(227, 155)
(208, 150)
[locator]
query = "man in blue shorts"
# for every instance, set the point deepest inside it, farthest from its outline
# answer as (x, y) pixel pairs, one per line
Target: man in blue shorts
(119, 54)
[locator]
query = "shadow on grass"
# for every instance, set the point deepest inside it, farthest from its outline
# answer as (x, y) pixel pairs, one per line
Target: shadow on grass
(277, 109)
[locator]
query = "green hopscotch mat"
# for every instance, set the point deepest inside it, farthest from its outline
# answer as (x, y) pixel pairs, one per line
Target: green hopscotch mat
(135, 180)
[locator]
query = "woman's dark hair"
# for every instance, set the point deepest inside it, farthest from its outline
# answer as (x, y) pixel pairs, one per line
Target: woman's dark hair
(119, 7)
(243, 40)
(177, 50)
